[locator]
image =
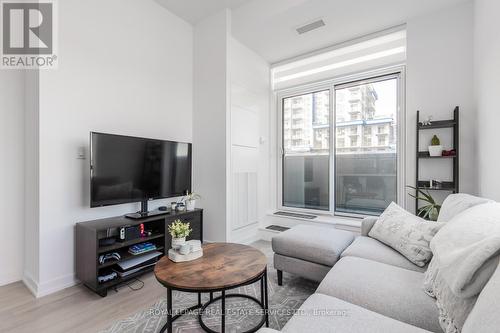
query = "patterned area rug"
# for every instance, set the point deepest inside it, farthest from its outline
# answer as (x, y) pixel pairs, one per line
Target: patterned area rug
(242, 315)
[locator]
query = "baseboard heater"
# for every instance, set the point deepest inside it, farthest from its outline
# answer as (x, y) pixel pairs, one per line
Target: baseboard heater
(297, 215)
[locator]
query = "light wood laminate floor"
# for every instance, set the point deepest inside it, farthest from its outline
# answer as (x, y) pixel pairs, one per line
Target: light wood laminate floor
(75, 309)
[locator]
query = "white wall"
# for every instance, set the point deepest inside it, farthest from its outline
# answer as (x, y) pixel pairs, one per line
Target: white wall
(210, 119)
(11, 174)
(439, 77)
(231, 114)
(124, 67)
(249, 112)
(31, 272)
(487, 88)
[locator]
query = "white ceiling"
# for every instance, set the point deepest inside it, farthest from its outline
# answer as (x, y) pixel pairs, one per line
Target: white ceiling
(268, 26)
(195, 10)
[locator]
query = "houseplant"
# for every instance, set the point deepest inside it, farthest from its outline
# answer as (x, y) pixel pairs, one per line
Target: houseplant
(435, 149)
(179, 231)
(191, 200)
(430, 211)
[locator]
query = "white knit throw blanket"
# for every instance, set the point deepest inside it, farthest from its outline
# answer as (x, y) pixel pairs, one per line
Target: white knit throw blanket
(465, 256)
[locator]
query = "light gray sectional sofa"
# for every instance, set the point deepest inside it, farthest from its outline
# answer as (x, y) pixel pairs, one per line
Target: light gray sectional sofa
(367, 286)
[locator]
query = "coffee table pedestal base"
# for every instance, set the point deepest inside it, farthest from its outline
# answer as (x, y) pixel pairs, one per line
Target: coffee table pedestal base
(263, 303)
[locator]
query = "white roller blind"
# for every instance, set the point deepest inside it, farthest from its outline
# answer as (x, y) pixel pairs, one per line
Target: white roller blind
(382, 50)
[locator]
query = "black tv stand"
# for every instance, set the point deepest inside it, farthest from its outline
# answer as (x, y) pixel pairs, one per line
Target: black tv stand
(89, 245)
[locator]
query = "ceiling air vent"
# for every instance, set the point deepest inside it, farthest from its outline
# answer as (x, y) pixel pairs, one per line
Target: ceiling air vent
(310, 26)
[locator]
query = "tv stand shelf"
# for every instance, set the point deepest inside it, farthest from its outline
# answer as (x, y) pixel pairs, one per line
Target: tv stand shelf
(127, 255)
(120, 245)
(88, 235)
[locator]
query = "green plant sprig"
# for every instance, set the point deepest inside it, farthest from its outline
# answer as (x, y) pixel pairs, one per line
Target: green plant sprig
(435, 141)
(425, 211)
(179, 229)
(192, 196)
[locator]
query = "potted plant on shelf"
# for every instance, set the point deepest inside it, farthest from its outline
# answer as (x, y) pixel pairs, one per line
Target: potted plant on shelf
(435, 149)
(430, 211)
(179, 231)
(191, 200)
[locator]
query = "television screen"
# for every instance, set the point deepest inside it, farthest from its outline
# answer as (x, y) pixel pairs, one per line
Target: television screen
(127, 169)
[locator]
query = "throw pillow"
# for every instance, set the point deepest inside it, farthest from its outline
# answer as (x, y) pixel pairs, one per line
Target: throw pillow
(406, 233)
(456, 203)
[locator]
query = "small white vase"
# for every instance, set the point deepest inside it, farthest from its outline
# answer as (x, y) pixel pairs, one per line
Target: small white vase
(435, 150)
(190, 204)
(178, 242)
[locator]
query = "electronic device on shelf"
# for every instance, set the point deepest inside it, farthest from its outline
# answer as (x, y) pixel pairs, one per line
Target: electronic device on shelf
(137, 170)
(129, 232)
(103, 258)
(134, 265)
(108, 277)
(107, 241)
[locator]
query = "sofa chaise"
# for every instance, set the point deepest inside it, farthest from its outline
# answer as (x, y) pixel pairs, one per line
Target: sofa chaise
(367, 286)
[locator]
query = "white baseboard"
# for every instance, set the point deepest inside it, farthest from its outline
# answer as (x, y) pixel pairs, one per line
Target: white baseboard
(49, 287)
(30, 283)
(9, 278)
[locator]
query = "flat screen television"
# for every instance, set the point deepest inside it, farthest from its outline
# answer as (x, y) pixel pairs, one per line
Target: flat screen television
(125, 169)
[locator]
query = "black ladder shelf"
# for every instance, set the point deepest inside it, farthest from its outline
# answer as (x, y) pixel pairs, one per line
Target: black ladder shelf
(445, 186)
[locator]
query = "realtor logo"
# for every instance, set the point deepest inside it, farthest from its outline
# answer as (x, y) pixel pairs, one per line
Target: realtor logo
(28, 34)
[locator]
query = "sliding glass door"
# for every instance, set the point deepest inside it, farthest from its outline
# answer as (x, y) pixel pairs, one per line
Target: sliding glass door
(356, 171)
(366, 145)
(306, 151)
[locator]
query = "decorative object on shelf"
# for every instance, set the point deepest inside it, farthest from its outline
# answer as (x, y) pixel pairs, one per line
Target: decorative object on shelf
(435, 184)
(190, 200)
(452, 152)
(430, 211)
(435, 149)
(173, 206)
(179, 231)
(427, 122)
(185, 249)
(181, 207)
(191, 250)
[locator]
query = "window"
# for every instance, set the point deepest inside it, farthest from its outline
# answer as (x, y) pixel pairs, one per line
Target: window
(365, 179)
(306, 155)
(359, 174)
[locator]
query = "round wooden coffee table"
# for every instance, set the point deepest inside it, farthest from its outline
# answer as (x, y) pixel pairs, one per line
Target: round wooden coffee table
(223, 266)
